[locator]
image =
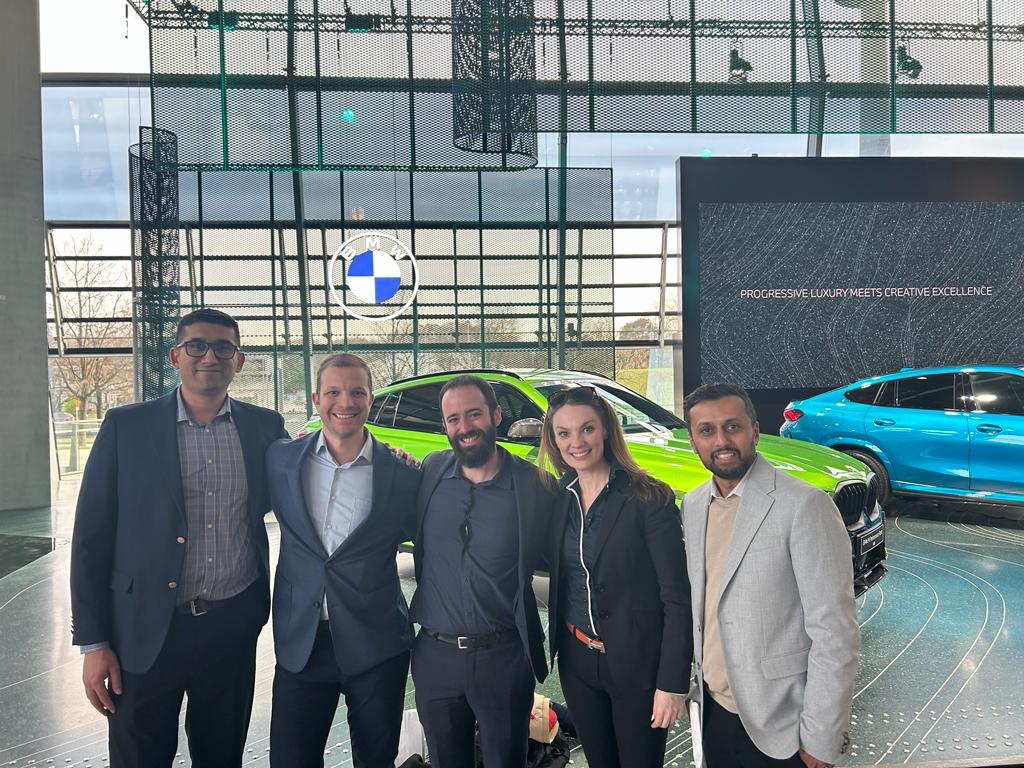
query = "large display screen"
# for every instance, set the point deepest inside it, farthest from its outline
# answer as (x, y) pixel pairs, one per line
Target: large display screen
(814, 293)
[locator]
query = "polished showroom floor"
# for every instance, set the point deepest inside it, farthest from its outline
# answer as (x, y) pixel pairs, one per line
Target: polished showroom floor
(940, 673)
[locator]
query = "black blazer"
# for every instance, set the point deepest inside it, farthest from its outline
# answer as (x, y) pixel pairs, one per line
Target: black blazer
(125, 552)
(640, 576)
(367, 610)
(534, 508)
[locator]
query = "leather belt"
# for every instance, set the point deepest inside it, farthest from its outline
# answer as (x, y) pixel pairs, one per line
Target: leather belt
(198, 606)
(591, 642)
(473, 642)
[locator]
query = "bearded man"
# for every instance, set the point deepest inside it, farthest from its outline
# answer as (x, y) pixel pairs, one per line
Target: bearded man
(774, 618)
(482, 522)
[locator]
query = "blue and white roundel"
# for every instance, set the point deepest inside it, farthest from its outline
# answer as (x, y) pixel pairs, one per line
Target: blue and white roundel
(373, 276)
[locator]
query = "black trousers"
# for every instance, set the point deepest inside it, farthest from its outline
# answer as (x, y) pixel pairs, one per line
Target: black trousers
(212, 659)
(305, 702)
(613, 723)
(455, 689)
(727, 745)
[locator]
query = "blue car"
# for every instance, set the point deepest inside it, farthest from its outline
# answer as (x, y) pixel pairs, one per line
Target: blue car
(941, 432)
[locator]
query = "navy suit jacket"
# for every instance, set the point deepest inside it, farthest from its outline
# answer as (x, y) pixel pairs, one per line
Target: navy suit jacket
(125, 553)
(367, 610)
(534, 508)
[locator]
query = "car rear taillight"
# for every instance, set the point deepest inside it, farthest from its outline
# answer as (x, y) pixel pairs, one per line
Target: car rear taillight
(792, 414)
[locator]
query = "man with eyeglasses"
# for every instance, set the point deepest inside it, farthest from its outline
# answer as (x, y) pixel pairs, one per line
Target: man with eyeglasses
(169, 558)
(482, 524)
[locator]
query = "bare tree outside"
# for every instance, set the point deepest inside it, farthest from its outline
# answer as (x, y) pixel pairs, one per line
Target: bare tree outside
(96, 316)
(93, 382)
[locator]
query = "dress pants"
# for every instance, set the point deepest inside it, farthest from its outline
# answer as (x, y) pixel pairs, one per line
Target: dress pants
(455, 689)
(305, 702)
(613, 723)
(727, 745)
(212, 659)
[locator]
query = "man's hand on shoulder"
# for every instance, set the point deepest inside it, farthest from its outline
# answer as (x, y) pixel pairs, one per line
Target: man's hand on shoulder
(407, 458)
(811, 761)
(98, 667)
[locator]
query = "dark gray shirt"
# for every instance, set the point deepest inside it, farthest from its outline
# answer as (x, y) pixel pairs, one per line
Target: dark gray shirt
(220, 557)
(470, 541)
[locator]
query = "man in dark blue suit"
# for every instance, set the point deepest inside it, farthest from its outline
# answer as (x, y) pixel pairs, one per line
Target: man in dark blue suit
(341, 624)
(169, 558)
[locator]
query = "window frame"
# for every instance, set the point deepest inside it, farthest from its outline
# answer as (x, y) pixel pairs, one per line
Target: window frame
(438, 427)
(970, 395)
(952, 406)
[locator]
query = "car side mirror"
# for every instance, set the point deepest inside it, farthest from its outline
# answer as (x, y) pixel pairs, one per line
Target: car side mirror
(525, 429)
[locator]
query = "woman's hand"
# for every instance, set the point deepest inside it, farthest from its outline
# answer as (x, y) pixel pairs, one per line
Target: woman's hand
(667, 708)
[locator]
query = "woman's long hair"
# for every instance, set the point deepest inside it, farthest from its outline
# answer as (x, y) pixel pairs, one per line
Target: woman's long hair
(641, 484)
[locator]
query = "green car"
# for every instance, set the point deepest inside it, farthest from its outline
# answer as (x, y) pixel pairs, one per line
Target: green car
(406, 414)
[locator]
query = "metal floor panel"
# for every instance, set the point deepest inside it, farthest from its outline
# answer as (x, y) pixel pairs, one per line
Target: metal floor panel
(939, 680)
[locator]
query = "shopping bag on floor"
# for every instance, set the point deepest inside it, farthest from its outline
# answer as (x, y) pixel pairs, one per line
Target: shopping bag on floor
(412, 741)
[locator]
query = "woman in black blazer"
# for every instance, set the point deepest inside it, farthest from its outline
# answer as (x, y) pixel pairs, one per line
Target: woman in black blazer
(619, 604)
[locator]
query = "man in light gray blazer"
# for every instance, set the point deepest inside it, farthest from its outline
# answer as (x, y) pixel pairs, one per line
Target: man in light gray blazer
(774, 617)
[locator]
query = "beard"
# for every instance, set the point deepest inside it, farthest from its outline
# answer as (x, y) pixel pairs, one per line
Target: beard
(733, 472)
(476, 455)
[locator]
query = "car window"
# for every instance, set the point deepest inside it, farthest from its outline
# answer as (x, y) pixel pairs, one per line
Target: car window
(383, 409)
(887, 395)
(998, 393)
(636, 413)
(418, 409)
(932, 393)
(514, 406)
(865, 394)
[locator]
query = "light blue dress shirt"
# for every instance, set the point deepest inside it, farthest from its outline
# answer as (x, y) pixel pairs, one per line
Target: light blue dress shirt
(338, 496)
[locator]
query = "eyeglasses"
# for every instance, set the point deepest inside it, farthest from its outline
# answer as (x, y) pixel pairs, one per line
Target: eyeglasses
(223, 350)
(574, 395)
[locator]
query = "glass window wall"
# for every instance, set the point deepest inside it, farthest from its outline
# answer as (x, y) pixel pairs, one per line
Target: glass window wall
(91, 36)
(86, 135)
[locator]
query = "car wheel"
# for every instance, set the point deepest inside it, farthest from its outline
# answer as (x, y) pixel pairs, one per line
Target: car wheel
(884, 489)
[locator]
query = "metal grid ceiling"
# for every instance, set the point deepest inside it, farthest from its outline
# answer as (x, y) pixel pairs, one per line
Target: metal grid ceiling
(407, 84)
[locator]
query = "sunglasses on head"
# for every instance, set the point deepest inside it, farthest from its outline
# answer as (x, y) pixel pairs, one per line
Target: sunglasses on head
(572, 395)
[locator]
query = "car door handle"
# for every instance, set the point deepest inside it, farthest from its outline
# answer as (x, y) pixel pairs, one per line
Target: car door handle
(989, 429)
(884, 422)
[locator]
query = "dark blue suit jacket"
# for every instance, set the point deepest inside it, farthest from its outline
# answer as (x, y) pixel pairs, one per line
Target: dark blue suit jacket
(368, 613)
(125, 552)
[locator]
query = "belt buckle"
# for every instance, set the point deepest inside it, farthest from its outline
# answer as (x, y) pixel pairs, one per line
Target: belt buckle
(462, 642)
(194, 607)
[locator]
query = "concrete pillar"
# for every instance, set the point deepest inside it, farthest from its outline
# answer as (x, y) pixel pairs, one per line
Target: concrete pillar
(24, 410)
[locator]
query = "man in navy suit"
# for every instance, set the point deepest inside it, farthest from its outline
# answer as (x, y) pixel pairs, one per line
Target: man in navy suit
(169, 558)
(341, 624)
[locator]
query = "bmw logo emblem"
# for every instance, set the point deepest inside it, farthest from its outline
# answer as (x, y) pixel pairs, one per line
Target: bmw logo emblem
(373, 274)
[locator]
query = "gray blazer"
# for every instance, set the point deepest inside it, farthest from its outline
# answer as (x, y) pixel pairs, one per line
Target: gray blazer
(787, 612)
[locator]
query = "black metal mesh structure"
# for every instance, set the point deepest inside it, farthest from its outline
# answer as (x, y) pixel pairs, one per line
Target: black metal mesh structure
(436, 84)
(156, 292)
(494, 80)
